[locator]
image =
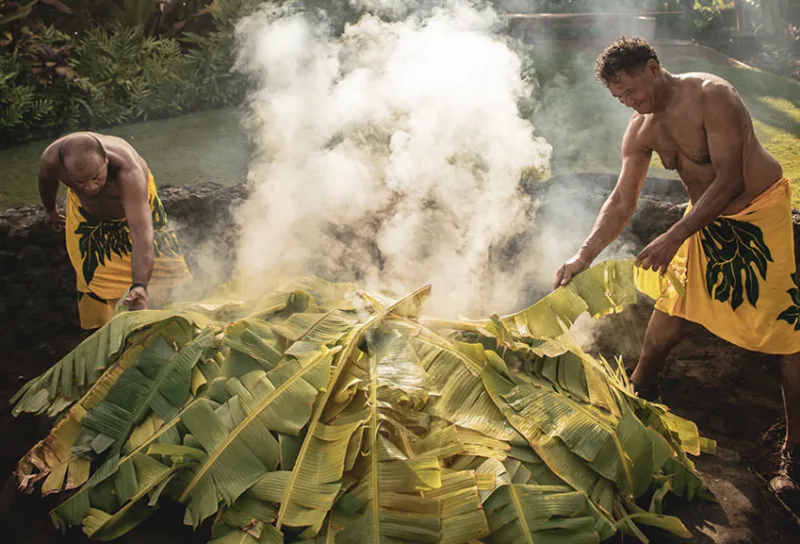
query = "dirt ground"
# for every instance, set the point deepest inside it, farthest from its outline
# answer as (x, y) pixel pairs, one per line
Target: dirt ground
(734, 396)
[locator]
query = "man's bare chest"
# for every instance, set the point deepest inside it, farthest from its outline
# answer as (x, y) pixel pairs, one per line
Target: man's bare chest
(680, 143)
(105, 205)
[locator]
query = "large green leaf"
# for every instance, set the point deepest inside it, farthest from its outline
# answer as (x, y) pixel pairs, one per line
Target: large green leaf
(603, 288)
(159, 382)
(65, 381)
(319, 464)
(736, 255)
(544, 515)
(463, 399)
(54, 458)
(241, 447)
(389, 489)
(147, 474)
(462, 515)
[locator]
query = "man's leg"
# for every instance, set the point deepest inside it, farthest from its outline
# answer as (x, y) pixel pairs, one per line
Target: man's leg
(790, 381)
(787, 481)
(663, 332)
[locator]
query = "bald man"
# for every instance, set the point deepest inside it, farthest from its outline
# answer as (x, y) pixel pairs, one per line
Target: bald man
(117, 233)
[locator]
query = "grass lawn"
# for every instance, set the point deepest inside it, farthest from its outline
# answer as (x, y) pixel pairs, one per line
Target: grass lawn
(585, 124)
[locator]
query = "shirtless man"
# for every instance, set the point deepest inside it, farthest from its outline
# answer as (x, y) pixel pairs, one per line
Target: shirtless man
(111, 192)
(699, 126)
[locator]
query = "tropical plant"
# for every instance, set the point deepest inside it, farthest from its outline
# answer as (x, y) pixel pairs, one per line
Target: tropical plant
(93, 69)
(323, 412)
(14, 11)
(39, 88)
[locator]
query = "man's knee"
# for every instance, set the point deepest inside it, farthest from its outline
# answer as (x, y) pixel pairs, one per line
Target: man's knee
(664, 331)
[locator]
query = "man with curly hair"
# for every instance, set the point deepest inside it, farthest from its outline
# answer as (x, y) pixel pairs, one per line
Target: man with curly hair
(733, 250)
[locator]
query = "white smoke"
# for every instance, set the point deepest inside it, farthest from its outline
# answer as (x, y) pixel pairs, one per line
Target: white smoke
(390, 154)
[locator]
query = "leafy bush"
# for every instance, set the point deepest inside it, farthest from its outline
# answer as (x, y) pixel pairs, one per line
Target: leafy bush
(127, 68)
(39, 89)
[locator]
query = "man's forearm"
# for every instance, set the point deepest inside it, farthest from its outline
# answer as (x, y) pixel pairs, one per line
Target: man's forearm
(142, 259)
(709, 207)
(48, 190)
(611, 220)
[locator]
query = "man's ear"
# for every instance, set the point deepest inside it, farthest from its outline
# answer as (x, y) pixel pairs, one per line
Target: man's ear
(653, 66)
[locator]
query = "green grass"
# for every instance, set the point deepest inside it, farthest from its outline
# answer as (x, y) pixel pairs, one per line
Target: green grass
(585, 124)
(206, 146)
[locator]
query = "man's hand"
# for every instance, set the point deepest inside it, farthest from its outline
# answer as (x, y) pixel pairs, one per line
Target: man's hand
(573, 266)
(54, 220)
(136, 299)
(659, 253)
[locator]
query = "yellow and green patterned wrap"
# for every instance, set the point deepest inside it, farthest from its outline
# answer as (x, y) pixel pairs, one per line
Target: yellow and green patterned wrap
(100, 252)
(739, 277)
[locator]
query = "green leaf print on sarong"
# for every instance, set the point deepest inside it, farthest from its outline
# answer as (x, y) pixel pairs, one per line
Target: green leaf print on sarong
(792, 314)
(98, 240)
(165, 243)
(736, 255)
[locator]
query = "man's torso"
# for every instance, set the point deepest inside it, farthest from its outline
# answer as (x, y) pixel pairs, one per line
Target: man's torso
(679, 138)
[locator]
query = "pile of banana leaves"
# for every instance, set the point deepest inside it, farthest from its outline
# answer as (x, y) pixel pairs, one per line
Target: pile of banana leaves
(321, 413)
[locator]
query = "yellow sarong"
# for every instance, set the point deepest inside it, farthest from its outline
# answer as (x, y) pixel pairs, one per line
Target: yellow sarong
(100, 252)
(739, 277)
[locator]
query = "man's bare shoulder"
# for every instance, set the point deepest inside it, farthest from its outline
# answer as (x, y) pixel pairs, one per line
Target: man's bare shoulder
(714, 95)
(49, 157)
(704, 83)
(120, 147)
(639, 130)
(50, 153)
(124, 157)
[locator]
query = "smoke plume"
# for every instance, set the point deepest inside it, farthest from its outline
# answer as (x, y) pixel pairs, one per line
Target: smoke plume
(390, 154)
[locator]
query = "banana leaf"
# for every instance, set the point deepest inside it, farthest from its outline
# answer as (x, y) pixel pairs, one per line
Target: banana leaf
(242, 448)
(388, 491)
(53, 458)
(544, 514)
(321, 413)
(63, 383)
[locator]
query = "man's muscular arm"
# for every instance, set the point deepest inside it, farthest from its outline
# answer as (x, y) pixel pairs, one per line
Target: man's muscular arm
(133, 186)
(48, 190)
(618, 207)
(726, 123)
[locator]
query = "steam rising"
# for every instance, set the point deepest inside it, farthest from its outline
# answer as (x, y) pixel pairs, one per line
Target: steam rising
(391, 154)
